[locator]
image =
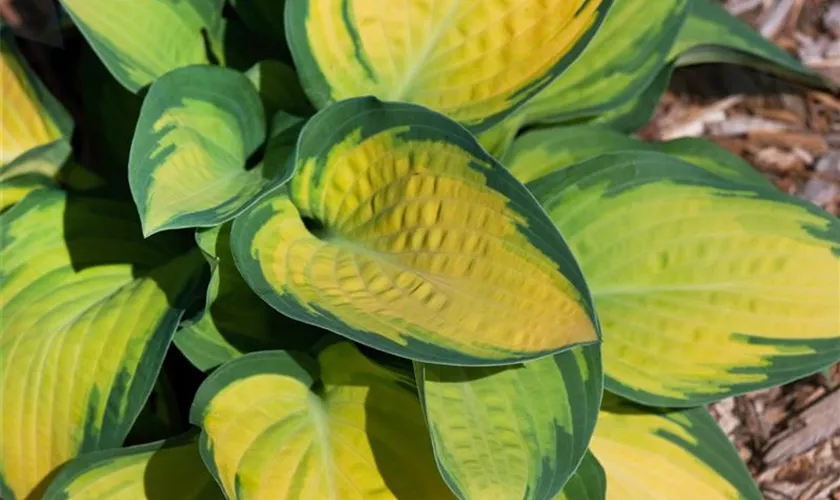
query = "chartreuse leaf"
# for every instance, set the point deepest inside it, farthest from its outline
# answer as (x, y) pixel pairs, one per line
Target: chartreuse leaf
(705, 288)
(156, 471)
(712, 35)
(665, 454)
(197, 128)
(473, 61)
(399, 232)
(236, 320)
(282, 425)
(625, 56)
(141, 40)
(542, 152)
(512, 432)
(33, 124)
(89, 309)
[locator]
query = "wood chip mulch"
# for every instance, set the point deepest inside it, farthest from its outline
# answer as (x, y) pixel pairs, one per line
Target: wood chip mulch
(788, 436)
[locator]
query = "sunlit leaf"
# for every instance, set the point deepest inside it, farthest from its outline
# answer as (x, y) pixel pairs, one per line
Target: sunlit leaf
(624, 58)
(32, 121)
(282, 425)
(543, 152)
(704, 288)
(170, 469)
(236, 320)
(197, 129)
(713, 35)
(662, 455)
(141, 40)
(517, 431)
(473, 61)
(89, 309)
(399, 232)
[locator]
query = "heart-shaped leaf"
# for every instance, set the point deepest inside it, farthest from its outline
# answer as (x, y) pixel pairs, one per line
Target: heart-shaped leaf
(283, 425)
(517, 431)
(399, 232)
(89, 309)
(197, 129)
(473, 61)
(705, 288)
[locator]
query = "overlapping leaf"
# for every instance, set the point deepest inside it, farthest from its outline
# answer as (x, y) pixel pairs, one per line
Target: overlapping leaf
(34, 128)
(399, 232)
(282, 425)
(236, 320)
(89, 309)
(141, 40)
(667, 454)
(473, 61)
(512, 432)
(197, 129)
(279, 88)
(705, 288)
(543, 152)
(588, 482)
(713, 35)
(164, 469)
(623, 59)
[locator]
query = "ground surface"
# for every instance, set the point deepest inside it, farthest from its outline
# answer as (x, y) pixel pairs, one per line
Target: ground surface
(788, 436)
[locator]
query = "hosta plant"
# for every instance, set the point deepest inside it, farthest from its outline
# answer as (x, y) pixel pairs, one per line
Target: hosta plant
(363, 249)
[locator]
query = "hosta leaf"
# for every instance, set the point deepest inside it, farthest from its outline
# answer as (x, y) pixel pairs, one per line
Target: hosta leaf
(705, 288)
(624, 57)
(399, 232)
(141, 40)
(236, 320)
(281, 425)
(542, 152)
(155, 471)
(713, 35)
(15, 189)
(516, 431)
(31, 119)
(89, 309)
(588, 482)
(638, 111)
(473, 61)
(279, 88)
(661, 455)
(197, 129)
(160, 417)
